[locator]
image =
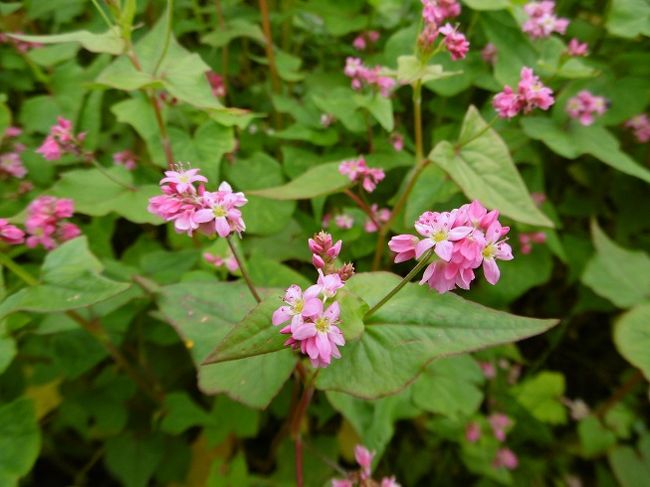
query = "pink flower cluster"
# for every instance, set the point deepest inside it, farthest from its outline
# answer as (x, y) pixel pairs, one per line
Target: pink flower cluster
(499, 424)
(217, 84)
(61, 140)
(359, 171)
(531, 93)
(462, 240)
(436, 11)
(46, 224)
(125, 158)
(542, 21)
(397, 141)
(455, 42)
(576, 48)
(344, 221)
(229, 262)
(324, 251)
(640, 124)
(585, 106)
(380, 216)
(364, 475)
(11, 165)
(526, 241)
(10, 234)
(364, 39)
(363, 75)
(196, 209)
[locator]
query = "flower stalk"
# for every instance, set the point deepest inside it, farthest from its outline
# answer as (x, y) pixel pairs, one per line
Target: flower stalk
(243, 270)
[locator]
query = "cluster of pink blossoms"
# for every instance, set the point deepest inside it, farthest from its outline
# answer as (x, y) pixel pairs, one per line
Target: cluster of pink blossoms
(10, 234)
(585, 106)
(576, 48)
(46, 224)
(344, 221)
(381, 215)
(526, 241)
(363, 75)
(462, 240)
(542, 21)
(196, 209)
(364, 475)
(364, 39)
(359, 171)
(436, 11)
(229, 262)
(126, 159)
(640, 124)
(455, 42)
(61, 140)
(314, 322)
(11, 165)
(499, 424)
(531, 93)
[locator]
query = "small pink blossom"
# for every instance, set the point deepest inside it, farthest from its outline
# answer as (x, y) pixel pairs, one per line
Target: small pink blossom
(488, 369)
(10, 234)
(324, 251)
(364, 458)
(363, 75)
(506, 458)
(495, 249)
(526, 241)
(329, 284)
(13, 132)
(50, 149)
(435, 11)
(217, 84)
(45, 222)
(397, 141)
(221, 212)
(499, 423)
(456, 42)
(344, 221)
(299, 305)
(358, 170)
(125, 158)
(342, 483)
(531, 94)
(542, 21)
(380, 216)
(403, 246)
(61, 140)
(427, 38)
(12, 166)
(640, 124)
(229, 262)
(320, 337)
(489, 53)
(389, 482)
(182, 180)
(576, 48)
(585, 106)
(439, 232)
(359, 43)
(473, 432)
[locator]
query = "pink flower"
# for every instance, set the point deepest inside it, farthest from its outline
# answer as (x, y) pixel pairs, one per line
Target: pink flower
(358, 170)
(585, 106)
(329, 284)
(640, 124)
(456, 43)
(182, 181)
(427, 38)
(217, 84)
(362, 75)
(45, 222)
(50, 149)
(439, 232)
(494, 249)
(61, 140)
(397, 141)
(373, 36)
(488, 369)
(473, 432)
(364, 458)
(403, 246)
(10, 234)
(220, 213)
(489, 53)
(320, 338)
(125, 158)
(389, 482)
(299, 305)
(507, 103)
(13, 131)
(324, 251)
(531, 94)
(381, 216)
(542, 21)
(359, 43)
(435, 11)
(499, 423)
(342, 483)
(12, 166)
(229, 262)
(506, 458)
(344, 221)
(526, 241)
(577, 48)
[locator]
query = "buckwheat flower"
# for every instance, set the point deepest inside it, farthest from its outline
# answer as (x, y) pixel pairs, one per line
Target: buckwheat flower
(50, 149)
(494, 249)
(329, 284)
(364, 458)
(353, 168)
(373, 36)
(389, 482)
(640, 124)
(344, 221)
(439, 233)
(10, 234)
(426, 39)
(533, 92)
(342, 483)
(506, 458)
(359, 43)
(538, 197)
(397, 141)
(473, 432)
(353, 67)
(299, 305)
(13, 132)
(220, 212)
(217, 84)
(321, 337)
(435, 11)
(380, 216)
(585, 106)
(45, 222)
(499, 423)
(125, 158)
(542, 21)
(324, 251)
(229, 262)
(403, 246)
(526, 241)
(507, 103)
(61, 140)
(489, 53)
(576, 48)
(346, 271)
(456, 42)
(12, 166)
(182, 180)
(488, 369)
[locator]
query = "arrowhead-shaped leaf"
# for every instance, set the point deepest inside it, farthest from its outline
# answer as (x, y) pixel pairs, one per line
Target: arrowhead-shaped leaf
(632, 337)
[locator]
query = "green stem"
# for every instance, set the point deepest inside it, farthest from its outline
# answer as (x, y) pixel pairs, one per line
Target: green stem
(9, 263)
(417, 121)
(244, 272)
(103, 14)
(108, 175)
(423, 262)
(363, 206)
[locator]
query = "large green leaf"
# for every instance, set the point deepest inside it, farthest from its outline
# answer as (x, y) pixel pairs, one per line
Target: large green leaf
(232, 30)
(202, 314)
(632, 468)
(20, 440)
(138, 113)
(412, 329)
(110, 41)
(481, 165)
(133, 460)
(70, 279)
(542, 395)
(618, 274)
(576, 140)
(380, 107)
(629, 18)
(321, 180)
(632, 337)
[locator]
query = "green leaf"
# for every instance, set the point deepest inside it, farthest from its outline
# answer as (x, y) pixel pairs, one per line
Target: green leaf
(380, 107)
(632, 468)
(412, 329)
(629, 18)
(337, 103)
(450, 386)
(110, 41)
(203, 314)
(20, 440)
(594, 437)
(96, 195)
(7, 352)
(51, 55)
(483, 168)
(138, 113)
(70, 280)
(615, 273)
(410, 69)
(321, 180)
(487, 4)
(182, 413)
(5, 117)
(133, 459)
(232, 30)
(632, 337)
(255, 335)
(577, 140)
(541, 396)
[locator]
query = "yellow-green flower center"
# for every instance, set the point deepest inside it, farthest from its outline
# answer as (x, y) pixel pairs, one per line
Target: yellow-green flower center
(299, 306)
(489, 251)
(219, 211)
(322, 325)
(439, 236)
